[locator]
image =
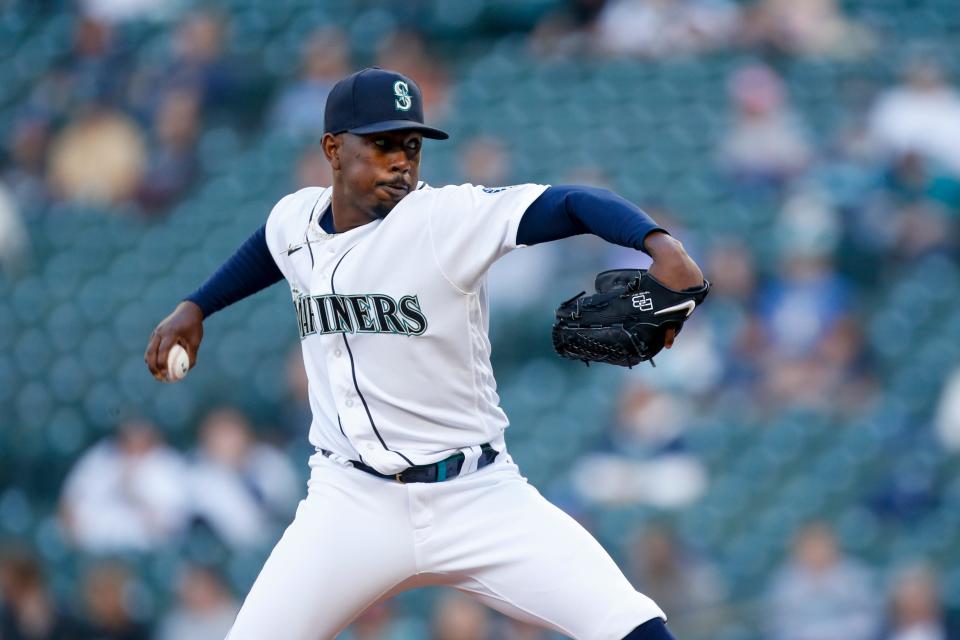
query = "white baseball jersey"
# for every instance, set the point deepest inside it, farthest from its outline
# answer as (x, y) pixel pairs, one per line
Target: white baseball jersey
(393, 320)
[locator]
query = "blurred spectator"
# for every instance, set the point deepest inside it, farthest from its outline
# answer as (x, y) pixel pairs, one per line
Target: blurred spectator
(406, 53)
(205, 609)
(915, 609)
(28, 611)
(109, 595)
(647, 461)
(914, 209)
(920, 115)
(765, 145)
(325, 59)
(172, 166)
(25, 174)
(685, 586)
(912, 179)
(563, 33)
(197, 63)
(95, 70)
(457, 618)
(127, 492)
(661, 28)
(242, 488)
(814, 353)
(821, 595)
(803, 302)
(13, 235)
(313, 170)
(114, 141)
(485, 160)
(811, 27)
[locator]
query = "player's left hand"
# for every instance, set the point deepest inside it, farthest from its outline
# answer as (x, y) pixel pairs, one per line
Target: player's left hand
(673, 267)
(625, 322)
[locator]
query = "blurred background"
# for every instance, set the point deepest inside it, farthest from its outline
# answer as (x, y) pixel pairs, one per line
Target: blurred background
(789, 471)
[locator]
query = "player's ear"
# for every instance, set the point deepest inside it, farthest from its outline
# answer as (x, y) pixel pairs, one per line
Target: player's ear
(331, 149)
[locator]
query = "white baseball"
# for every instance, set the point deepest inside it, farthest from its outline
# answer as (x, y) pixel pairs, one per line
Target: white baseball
(178, 363)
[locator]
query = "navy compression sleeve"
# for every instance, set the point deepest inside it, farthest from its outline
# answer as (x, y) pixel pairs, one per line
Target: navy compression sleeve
(564, 211)
(250, 269)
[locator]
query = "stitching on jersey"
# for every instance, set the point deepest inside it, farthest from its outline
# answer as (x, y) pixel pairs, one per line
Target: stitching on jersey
(353, 371)
(433, 249)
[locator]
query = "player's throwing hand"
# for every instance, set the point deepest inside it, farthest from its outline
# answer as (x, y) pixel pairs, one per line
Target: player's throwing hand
(185, 327)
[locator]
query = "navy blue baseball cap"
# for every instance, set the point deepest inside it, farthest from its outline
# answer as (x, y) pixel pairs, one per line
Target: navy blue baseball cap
(376, 100)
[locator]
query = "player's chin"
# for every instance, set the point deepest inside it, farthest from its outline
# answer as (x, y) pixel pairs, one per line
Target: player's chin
(382, 207)
(387, 198)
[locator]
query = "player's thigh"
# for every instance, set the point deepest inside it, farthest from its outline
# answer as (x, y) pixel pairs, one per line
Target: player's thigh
(530, 560)
(346, 547)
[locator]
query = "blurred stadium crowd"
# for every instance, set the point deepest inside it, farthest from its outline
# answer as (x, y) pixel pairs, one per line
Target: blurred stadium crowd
(789, 471)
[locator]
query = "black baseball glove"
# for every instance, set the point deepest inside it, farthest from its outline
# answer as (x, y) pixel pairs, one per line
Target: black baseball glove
(625, 321)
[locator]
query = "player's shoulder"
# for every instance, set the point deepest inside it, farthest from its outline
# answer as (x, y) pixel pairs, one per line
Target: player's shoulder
(291, 215)
(299, 202)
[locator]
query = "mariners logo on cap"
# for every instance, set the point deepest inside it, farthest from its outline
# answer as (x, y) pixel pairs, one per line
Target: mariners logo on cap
(402, 91)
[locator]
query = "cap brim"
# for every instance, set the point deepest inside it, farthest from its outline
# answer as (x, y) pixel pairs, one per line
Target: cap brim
(400, 125)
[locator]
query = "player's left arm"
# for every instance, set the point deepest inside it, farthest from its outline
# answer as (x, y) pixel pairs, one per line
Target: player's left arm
(564, 211)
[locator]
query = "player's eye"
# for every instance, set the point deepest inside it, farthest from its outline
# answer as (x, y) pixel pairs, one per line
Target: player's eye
(413, 145)
(380, 142)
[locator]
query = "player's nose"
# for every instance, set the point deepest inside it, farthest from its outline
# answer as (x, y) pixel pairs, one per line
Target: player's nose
(399, 162)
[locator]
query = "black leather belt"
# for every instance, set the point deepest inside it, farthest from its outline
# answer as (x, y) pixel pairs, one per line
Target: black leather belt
(437, 472)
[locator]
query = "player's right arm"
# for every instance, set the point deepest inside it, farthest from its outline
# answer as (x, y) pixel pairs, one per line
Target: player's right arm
(250, 269)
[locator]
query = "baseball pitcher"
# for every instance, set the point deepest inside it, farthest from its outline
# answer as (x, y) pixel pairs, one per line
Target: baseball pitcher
(412, 482)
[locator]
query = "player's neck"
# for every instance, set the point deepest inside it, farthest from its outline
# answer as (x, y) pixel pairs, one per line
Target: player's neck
(347, 216)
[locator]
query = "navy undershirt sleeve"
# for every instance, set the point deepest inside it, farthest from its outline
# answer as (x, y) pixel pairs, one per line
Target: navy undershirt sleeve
(250, 269)
(653, 629)
(568, 210)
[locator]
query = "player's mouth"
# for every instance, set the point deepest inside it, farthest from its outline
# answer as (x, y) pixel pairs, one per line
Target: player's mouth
(396, 190)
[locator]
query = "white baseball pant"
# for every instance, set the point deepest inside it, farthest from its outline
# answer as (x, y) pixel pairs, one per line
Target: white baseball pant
(357, 539)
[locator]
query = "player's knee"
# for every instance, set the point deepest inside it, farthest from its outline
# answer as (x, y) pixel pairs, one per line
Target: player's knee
(653, 629)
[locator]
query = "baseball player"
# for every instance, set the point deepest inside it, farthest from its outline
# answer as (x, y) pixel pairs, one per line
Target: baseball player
(412, 483)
